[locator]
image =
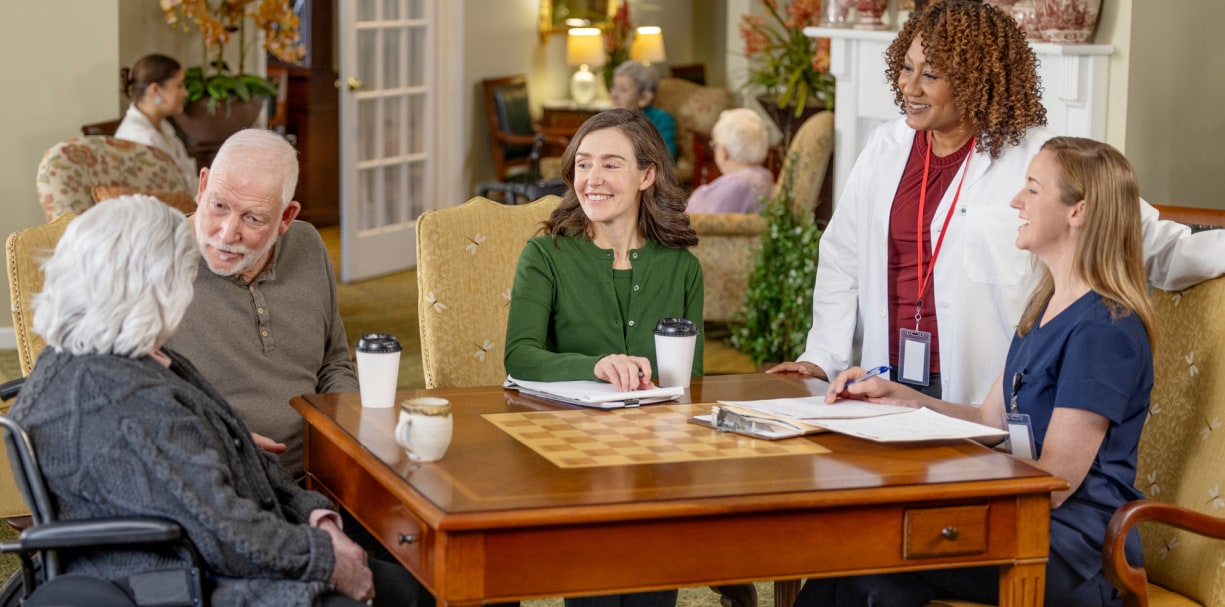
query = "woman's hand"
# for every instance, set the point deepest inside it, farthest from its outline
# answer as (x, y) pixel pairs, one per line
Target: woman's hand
(875, 389)
(625, 372)
(267, 444)
(803, 368)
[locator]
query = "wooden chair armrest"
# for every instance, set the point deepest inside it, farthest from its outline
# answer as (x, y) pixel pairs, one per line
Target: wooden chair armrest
(1132, 582)
(1192, 215)
(554, 135)
(513, 139)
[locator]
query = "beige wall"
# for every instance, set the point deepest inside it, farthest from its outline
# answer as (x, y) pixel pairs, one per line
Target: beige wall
(1175, 131)
(64, 71)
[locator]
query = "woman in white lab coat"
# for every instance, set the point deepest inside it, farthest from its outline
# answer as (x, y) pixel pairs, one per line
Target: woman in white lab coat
(966, 81)
(155, 85)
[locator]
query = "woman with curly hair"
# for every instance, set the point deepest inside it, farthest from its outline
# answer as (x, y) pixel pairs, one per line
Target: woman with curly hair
(917, 268)
(613, 260)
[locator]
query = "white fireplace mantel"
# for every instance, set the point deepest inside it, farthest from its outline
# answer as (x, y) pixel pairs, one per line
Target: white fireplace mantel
(1073, 82)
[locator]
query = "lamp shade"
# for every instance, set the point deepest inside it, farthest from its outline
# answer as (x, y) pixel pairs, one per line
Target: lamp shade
(584, 46)
(648, 45)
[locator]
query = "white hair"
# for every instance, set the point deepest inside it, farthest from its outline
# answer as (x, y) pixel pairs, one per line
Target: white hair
(743, 134)
(265, 151)
(120, 279)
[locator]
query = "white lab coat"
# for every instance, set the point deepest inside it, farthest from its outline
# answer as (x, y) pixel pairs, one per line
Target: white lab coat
(137, 127)
(981, 280)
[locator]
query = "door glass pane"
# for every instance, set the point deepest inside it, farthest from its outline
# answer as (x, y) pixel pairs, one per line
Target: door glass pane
(393, 126)
(367, 193)
(394, 195)
(392, 57)
(414, 123)
(416, 9)
(416, 188)
(367, 129)
(416, 56)
(366, 10)
(391, 10)
(367, 57)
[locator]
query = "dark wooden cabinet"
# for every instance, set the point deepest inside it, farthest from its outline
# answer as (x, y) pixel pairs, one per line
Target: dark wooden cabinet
(313, 116)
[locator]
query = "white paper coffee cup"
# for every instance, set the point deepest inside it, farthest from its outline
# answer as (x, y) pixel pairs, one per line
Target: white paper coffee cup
(675, 341)
(378, 369)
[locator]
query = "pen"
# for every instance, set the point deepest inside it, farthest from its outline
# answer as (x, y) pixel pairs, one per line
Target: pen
(871, 373)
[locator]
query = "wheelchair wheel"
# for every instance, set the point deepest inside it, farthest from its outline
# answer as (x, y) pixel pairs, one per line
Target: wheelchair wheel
(10, 592)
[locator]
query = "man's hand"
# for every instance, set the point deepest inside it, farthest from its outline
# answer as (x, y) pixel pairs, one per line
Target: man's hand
(625, 372)
(351, 575)
(267, 444)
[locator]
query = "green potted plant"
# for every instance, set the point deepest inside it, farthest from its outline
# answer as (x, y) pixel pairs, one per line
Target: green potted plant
(217, 98)
(777, 312)
(791, 68)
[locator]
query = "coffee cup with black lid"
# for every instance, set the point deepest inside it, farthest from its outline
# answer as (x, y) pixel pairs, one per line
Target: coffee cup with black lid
(378, 369)
(675, 341)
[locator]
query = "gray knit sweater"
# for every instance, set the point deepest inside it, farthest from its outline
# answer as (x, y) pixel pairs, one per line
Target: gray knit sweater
(127, 437)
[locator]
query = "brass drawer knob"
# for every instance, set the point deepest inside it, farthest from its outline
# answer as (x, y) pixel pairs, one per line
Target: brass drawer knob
(950, 533)
(406, 538)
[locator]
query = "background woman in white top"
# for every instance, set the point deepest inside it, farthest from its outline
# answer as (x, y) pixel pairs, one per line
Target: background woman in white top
(155, 86)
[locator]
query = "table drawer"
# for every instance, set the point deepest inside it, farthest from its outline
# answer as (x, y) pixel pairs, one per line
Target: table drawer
(953, 530)
(405, 536)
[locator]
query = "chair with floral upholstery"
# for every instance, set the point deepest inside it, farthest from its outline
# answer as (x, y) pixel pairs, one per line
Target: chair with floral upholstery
(466, 258)
(72, 169)
(726, 240)
(696, 108)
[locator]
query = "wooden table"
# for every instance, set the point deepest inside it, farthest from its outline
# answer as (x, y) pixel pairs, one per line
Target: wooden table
(495, 522)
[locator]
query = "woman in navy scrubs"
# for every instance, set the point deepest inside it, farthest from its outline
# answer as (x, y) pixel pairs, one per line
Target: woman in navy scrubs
(1079, 372)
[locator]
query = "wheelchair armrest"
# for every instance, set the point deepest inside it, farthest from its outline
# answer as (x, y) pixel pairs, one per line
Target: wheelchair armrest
(10, 388)
(1132, 582)
(98, 533)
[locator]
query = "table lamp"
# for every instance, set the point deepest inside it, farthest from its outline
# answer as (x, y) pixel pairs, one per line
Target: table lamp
(648, 45)
(584, 47)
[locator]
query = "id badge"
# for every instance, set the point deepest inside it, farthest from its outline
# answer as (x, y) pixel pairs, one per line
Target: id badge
(914, 357)
(1020, 435)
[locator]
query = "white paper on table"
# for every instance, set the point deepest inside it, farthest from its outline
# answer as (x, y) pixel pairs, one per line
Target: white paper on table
(814, 408)
(917, 425)
(592, 393)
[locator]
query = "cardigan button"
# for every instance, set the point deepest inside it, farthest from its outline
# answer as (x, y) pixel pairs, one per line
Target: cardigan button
(636, 287)
(631, 323)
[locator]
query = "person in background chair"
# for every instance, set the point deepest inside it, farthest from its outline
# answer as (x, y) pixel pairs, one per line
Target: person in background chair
(264, 326)
(740, 142)
(1080, 366)
(155, 86)
(124, 426)
(634, 88)
(924, 214)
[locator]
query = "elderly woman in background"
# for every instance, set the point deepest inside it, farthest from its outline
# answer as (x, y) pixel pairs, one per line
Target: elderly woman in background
(125, 427)
(1080, 366)
(155, 86)
(634, 87)
(924, 215)
(741, 142)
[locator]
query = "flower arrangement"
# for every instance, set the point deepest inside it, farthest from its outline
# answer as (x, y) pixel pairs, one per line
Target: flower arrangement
(617, 42)
(790, 66)
(223, 21)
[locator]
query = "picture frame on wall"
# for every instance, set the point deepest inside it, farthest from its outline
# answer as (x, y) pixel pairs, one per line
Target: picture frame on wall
(558, 16)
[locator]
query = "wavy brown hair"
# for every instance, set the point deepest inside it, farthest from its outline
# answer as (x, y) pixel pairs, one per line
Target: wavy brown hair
(1109, 254)
(990, 68)
(661, 214)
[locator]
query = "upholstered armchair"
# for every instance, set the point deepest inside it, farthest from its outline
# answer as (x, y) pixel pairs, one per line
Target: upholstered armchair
(466, 259)
(71, 169)
(696, 108)
(726, 241)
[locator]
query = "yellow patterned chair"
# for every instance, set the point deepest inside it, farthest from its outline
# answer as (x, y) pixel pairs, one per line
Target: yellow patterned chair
(24, 251)
(1182, 460)
(727, 240)
(696, 108)
(466, 258)
(71, 170)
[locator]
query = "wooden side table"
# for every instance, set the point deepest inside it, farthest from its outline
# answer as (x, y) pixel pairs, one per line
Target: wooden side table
(564, 117)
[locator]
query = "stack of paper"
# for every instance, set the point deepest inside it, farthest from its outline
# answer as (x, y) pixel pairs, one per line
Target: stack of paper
(787, 417)
(594, 394)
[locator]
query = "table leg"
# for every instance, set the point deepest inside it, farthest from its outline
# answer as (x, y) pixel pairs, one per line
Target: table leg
(1023, 584)
(785, 592)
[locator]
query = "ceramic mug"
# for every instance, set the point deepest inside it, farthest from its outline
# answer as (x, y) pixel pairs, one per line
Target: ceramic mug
(424, 428)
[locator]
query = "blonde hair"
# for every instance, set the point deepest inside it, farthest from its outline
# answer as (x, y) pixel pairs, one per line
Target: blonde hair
(1109, 254)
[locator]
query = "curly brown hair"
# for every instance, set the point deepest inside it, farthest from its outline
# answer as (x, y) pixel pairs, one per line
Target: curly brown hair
(661, 213)
(991, 70)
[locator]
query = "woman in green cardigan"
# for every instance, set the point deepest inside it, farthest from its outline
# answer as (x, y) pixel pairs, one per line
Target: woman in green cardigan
(613, 260)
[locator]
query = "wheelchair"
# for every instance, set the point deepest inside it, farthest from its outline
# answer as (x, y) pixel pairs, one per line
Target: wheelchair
(41, 582)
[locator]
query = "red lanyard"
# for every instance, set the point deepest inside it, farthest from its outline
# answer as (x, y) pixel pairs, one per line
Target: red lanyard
(924, 279)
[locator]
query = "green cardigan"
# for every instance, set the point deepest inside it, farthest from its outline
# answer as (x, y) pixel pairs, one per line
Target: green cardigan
(564, 315)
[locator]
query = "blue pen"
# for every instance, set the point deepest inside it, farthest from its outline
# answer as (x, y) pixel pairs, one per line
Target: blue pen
(872, 373)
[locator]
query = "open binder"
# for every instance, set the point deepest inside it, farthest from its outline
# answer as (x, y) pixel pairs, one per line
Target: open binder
(593, 394)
